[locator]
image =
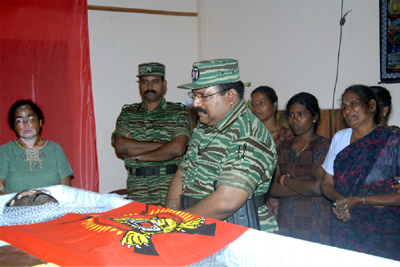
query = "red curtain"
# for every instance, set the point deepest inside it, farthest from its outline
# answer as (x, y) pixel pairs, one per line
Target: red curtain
(44, 56)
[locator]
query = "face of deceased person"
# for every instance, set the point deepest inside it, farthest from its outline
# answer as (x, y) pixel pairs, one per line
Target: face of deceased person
(31, 198)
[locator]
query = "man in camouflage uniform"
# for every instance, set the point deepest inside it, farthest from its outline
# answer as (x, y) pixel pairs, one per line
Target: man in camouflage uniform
(151, 135)
(231, 158)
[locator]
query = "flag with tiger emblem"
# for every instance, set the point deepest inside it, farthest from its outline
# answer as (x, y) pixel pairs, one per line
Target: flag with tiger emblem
(134, 234)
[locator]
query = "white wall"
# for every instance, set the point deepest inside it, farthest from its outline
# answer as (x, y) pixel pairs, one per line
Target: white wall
(291, 45)
(119, 42)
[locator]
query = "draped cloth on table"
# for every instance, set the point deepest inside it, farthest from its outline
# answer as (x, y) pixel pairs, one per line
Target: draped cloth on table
(44, 56)
(133, 235)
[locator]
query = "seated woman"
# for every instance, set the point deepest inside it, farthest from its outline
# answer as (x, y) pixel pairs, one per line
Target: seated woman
(303, 212)
(29, 161)
(385, 104)
(359, 172)
(264, 105)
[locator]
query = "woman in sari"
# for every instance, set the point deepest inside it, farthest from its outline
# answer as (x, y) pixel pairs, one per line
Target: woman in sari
(303, 212)
(359, 172)
(264, 105)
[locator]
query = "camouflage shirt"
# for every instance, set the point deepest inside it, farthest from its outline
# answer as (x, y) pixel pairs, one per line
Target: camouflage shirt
(162, 124)
(238, 152)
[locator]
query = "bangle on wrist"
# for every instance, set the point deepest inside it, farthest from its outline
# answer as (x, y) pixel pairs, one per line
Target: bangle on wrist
(283, 178)
(365, 200)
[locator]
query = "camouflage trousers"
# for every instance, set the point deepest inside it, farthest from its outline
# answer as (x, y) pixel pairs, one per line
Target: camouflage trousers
(149, 189)
(268, 222)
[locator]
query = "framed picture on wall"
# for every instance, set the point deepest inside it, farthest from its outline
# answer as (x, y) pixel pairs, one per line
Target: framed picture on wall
(390, 40)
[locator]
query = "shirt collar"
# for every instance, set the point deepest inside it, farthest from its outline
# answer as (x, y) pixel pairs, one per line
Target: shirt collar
(162, 105)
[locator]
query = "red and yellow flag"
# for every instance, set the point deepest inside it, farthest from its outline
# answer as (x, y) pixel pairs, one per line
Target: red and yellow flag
(134, 234)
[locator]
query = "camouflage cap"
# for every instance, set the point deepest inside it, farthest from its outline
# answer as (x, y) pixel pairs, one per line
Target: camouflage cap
(212, 72)
(151, 69)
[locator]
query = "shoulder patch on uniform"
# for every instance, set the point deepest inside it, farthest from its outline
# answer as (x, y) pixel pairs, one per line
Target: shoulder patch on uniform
(134, 105)
(177, 105)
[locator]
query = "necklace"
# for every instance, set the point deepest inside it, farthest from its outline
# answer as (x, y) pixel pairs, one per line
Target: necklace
(276, 129)
(201, 150)
(305, 145)
(32, 156)
(40, 141)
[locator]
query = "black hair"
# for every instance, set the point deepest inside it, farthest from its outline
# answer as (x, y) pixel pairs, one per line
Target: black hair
(383, 97)
(22, 103)
(269, 93)
(309, 101)
(238, 86)
(366, 94)
(31, 198)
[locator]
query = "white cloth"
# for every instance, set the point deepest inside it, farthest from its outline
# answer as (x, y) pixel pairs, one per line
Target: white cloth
(339, 141)
(253, 248)
(71, 200)
(260, 249)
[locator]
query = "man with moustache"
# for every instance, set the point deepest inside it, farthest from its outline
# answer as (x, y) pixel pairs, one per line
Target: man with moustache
(230, 161)
(151, 135)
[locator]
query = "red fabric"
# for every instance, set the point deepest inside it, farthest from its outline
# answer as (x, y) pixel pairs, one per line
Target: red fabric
(97, 239)
(44, 56)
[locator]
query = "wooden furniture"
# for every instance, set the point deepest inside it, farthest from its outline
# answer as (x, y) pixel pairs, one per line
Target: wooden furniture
(12, 256)
(331, 121)
(123, 192)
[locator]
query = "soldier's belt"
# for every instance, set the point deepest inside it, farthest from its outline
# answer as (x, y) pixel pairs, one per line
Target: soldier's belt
(153, 170)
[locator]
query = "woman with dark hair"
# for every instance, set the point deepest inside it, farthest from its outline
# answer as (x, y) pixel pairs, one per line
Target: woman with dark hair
(359, 173)
(264, 105)
(30, 161)
(303, 212)
(385, 104)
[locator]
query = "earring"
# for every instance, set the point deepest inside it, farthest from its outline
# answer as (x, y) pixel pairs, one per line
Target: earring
(313, 121)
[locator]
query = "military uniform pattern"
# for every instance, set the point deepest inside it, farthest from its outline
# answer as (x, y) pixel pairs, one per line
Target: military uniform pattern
(218, 154)
(162, 124)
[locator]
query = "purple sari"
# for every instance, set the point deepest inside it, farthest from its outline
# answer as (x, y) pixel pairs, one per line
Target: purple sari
(368, 167)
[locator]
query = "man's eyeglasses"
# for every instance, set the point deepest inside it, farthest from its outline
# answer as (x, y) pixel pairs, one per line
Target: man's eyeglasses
(29, 120)
(200, 96)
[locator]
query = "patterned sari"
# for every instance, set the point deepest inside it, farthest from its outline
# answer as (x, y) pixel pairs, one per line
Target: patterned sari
(368, 167)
